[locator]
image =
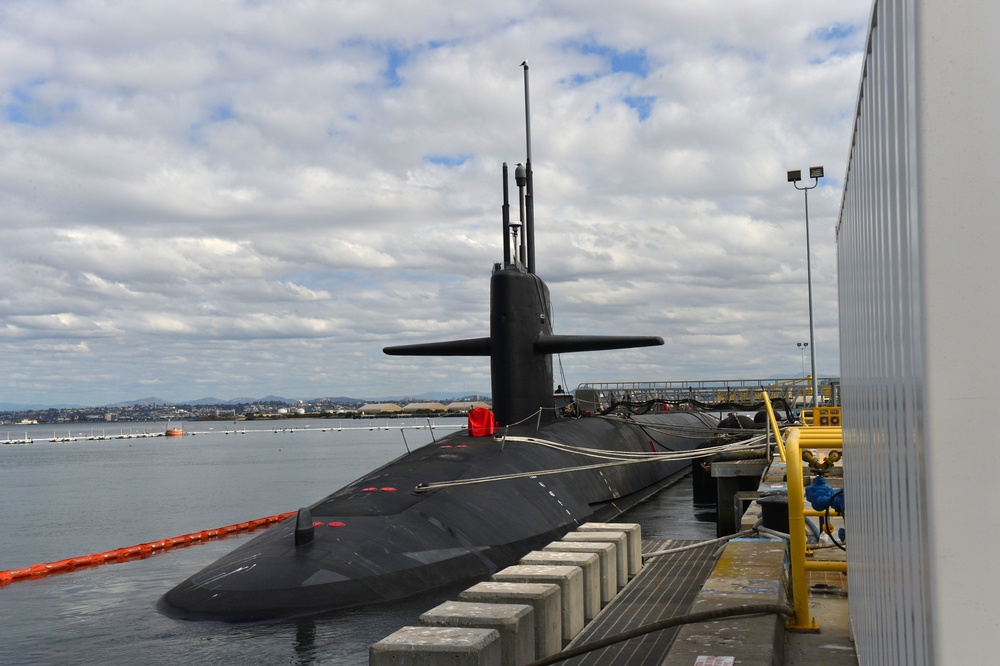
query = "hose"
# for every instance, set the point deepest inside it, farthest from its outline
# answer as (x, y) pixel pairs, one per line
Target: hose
(700, 544)
(827, 519)
(677, 620)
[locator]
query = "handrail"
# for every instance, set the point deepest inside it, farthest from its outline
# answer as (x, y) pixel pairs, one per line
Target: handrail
(774, 426)
(795, 390)
(802, 620)
(794, 437)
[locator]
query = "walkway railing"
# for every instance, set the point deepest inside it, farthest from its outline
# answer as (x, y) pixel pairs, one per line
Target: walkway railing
(790, 449)
(797, 391)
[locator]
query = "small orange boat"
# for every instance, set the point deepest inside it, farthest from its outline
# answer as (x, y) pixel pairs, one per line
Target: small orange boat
(175, 432)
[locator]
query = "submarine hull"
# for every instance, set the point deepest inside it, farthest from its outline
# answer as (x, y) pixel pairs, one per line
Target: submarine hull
(462, 507)
(384, 537)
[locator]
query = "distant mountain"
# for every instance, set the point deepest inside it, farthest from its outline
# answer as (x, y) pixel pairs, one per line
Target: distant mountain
(208, 401)
(428, 396)
(142, 402)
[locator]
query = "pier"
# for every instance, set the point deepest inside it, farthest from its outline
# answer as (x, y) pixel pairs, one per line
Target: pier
(760, 595)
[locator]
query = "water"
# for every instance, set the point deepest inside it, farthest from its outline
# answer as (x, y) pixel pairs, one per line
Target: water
(60, 500)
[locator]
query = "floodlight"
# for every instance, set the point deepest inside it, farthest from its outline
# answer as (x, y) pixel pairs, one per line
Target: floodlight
(815, 172)
(794, 176)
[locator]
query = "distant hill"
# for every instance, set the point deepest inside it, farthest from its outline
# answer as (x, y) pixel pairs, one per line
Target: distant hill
(142, 402)
(152, 401)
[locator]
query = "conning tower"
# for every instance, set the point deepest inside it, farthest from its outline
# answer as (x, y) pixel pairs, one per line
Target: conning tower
(521, 342)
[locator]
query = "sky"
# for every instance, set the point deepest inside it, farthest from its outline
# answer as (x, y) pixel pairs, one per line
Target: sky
(239, 199)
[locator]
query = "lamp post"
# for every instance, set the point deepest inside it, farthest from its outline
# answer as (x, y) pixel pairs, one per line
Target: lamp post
(794, 177)
(802, 352)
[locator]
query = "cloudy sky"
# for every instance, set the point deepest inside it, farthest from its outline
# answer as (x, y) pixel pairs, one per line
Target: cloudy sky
(243, 198)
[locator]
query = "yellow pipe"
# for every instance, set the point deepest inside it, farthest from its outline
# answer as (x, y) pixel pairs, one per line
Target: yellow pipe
(813, 513)
(802, 620)
(821, 565)
(774, 426)
(829, 434)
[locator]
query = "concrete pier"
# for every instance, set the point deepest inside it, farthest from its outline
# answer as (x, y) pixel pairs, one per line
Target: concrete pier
(437, 646)
(633, 532)
(590, 563)
(545, 600)
(620, 539)
(514, 622)
(608, 562)
(664, 588)
(570, 582)
(748, 572)
(742, 572)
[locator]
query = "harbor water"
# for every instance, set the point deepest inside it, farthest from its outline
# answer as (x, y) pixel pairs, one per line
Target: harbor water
(100, 491)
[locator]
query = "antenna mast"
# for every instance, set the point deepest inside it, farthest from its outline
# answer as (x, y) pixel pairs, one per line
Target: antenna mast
(529, 226)
(506, 219)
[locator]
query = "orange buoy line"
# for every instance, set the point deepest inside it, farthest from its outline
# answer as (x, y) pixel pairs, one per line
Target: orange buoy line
(141, 551)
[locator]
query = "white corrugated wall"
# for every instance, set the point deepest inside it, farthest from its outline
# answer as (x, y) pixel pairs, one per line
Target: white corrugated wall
(919, 273)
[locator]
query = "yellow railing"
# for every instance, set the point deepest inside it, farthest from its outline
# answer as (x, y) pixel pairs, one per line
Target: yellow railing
(828, 434)
(774, 427)
(795, 438)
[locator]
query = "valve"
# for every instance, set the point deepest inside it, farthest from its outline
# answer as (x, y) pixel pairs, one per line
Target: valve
(821, 496)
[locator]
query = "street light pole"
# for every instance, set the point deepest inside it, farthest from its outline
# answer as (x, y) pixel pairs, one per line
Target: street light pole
(794, 177)
(802, 352)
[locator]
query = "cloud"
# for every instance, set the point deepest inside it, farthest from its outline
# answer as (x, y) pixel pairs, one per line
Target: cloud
(239, 198)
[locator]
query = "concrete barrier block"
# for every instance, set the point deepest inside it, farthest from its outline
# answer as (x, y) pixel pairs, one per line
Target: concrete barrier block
(634, 532)
(514, 622)
(620, 539)
(544, 598)
(437, 646)
(608, 561)
(570, 582)
(591, 565)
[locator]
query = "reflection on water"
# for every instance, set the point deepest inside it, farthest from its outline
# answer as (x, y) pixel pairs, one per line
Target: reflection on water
(61, 500)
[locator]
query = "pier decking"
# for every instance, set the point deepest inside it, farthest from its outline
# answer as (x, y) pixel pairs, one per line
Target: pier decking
(664, 588)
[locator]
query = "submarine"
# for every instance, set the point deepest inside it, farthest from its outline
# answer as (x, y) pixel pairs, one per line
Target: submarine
(473, 502)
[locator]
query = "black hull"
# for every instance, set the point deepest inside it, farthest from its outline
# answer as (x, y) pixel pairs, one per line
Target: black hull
(373, 544)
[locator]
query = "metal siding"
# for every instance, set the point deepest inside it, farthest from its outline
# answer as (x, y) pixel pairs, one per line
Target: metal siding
(881, 359)
(916, 243)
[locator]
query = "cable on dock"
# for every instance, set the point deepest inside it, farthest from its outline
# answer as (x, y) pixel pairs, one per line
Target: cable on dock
(141, 551)
(677, 620)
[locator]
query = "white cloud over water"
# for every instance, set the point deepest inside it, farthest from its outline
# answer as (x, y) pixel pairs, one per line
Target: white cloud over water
(248, 198)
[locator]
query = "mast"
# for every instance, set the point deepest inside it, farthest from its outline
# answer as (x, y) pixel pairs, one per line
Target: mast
(529, 224)
(506, 219)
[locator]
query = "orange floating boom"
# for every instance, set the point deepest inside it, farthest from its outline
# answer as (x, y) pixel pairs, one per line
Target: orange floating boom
(141, 551)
